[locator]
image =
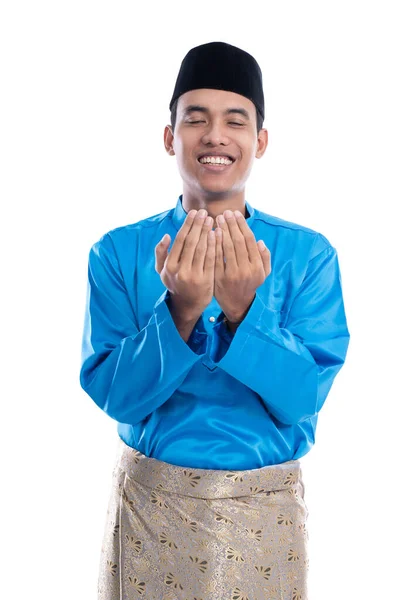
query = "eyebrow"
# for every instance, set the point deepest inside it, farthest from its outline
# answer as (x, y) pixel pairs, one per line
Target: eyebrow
(197, 108)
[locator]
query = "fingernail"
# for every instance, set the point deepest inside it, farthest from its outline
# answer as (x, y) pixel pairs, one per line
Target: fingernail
(262, 245)
(220, 219)
(238, 213)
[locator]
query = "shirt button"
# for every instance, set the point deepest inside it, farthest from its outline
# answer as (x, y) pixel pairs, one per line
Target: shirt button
(212, 319)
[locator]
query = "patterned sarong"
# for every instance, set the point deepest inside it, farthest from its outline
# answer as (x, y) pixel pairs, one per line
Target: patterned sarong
(181, 533)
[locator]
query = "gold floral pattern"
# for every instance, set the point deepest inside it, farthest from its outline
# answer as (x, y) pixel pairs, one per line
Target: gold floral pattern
(237, 594)
(303, 528)
(192, 525)
(171, 579)
(112, 567)
(135, 544)
(293, 492)
(181, 533)
(264, 571)
(256, 490)
(167, 540)
(231, 553)
(192, 478)
(284, 519)
(234, 476)
(139, 586)
(136, 456)
(254, 535)
(157, 499)
(222, 519)
(290, 479)
(160, 486)
(203, 544)
(293, 555)
(200, 564)
(265, 550)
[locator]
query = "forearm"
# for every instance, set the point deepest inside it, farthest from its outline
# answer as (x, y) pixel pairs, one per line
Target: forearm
(184, 323)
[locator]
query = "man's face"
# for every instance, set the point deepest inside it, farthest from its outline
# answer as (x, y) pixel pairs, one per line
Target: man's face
(219, 124)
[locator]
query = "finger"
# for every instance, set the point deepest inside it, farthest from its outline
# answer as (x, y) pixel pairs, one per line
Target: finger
(192, 239)
(219, 255)
(209, 262)
(249, 239)
(227, 244)
(239, 243)
(202, 245)
(179, 242)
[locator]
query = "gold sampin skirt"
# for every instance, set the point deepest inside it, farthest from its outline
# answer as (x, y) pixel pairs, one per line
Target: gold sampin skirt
(177, 533)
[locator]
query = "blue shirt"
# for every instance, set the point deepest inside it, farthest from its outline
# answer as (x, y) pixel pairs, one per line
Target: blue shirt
(221, 400)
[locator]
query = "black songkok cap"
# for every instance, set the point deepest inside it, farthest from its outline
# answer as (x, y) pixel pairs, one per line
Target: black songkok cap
(220, 66)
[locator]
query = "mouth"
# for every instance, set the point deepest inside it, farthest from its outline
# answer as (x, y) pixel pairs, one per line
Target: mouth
(214, 164)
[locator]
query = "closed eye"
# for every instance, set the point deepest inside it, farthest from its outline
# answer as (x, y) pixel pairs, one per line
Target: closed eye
(230, 123)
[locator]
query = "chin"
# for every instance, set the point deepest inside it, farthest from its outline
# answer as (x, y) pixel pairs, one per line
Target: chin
(215, 187)
(214, 191)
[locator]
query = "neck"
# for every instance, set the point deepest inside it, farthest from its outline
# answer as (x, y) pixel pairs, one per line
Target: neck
(214, 204)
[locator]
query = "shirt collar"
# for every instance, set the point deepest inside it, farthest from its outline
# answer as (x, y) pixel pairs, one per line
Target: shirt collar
(179, 215)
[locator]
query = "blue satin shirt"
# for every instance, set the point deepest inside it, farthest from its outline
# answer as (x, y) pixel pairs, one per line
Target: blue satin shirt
(222, 400)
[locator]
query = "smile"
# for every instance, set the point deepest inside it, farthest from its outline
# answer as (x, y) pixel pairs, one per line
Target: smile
(215, 160)
(222, 164)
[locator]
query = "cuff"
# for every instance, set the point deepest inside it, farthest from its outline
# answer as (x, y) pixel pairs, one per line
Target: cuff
(259, 321)
(169, 334)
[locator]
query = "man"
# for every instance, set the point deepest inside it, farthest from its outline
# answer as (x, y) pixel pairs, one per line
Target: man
(215, 356)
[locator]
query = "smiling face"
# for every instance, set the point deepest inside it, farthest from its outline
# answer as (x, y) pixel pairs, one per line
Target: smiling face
(215, 141)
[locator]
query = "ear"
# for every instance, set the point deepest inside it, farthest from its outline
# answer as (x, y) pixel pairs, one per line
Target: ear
(262, 142)
(169, 140)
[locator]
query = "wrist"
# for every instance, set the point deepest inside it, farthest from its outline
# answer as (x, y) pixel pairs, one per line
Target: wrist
(235, 317)
(232, 327)
(180, 313)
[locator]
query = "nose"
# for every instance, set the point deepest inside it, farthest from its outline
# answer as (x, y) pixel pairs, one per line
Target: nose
(215, 134)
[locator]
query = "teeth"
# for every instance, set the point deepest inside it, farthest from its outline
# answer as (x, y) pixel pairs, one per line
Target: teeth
(215, 160)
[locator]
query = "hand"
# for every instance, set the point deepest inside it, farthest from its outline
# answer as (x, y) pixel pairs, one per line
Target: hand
(246, 268)
(188, 270)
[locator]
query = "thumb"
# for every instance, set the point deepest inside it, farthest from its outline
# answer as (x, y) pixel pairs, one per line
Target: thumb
(161, 251)
(266, 257)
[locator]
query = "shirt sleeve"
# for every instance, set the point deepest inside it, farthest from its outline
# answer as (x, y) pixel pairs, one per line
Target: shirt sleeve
(291, 367)
(130, 372)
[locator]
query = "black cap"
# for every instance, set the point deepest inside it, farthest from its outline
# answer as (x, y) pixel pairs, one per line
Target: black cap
(220, 66)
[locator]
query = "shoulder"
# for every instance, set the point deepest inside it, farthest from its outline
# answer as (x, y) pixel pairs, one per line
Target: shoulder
(314, 240)
(127, 234)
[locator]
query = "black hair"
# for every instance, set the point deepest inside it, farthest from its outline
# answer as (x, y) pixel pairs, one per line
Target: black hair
(260, 120)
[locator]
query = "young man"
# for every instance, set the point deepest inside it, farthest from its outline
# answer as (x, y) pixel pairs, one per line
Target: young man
(215, 355)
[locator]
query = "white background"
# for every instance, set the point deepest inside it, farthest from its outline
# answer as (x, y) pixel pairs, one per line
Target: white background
(84, 101)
